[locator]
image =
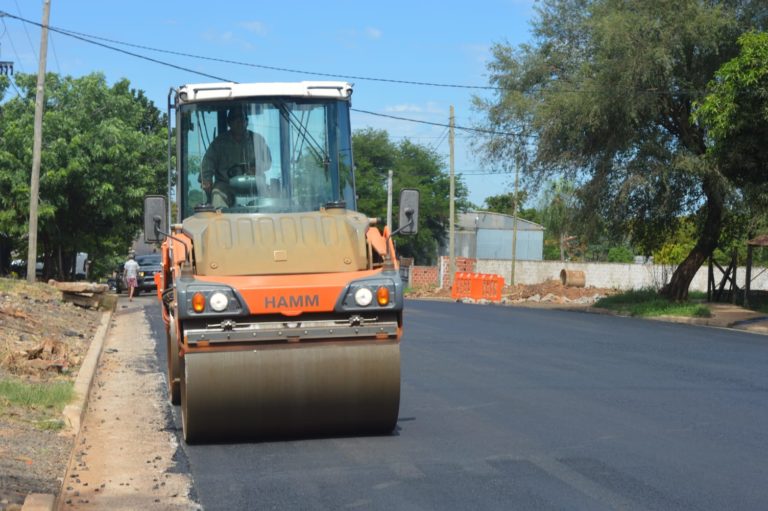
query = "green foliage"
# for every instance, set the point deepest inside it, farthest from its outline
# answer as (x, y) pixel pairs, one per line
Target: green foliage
(413, 166)
(678, 244)
(649, 303)
(53, 395)
(736, 112)
(104, 148)
(606, 90)
(620, 254)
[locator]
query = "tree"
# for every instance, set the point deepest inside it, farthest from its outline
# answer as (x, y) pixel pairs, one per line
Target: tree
(413, 166)
(558, 209)
(505, 204)
(104, 148)
(736, 110)
(605, 96)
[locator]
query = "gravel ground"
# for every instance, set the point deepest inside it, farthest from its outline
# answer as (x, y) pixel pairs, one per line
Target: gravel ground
(42, 339)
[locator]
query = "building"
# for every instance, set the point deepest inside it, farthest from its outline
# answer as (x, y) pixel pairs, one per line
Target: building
(486, 235)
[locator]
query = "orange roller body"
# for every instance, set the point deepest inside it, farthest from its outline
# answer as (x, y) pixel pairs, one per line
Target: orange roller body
(283, 304)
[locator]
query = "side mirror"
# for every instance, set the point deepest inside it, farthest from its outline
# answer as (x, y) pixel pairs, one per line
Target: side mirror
(155, 218)
(409, 212)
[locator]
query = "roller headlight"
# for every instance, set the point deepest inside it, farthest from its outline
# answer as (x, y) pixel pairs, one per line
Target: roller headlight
(219, 301)
(372, 294)
(202, 299)
(363, 297)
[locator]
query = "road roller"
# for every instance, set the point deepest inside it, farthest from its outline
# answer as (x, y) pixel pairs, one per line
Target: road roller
(282, 303)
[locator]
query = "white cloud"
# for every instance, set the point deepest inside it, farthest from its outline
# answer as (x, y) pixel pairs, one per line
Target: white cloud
(428, 108)
(255, 27)
(218, 37)
(373, 33)
(405, 108)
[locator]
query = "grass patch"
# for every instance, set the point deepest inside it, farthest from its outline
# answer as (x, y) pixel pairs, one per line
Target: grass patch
(39, 404)
(38, 290)
(648, 303)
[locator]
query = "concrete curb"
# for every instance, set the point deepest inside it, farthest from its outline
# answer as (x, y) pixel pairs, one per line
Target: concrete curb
(74, 412)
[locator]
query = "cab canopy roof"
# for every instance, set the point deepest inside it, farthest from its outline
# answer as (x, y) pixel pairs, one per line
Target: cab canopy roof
(228, 90)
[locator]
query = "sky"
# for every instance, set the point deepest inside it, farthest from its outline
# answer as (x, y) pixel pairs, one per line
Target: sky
(364, 43)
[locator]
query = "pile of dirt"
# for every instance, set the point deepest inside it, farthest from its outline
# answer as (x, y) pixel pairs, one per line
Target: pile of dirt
(42, 339)
(551, 291)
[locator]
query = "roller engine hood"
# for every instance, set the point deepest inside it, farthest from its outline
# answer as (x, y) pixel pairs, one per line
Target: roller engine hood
(325, 241)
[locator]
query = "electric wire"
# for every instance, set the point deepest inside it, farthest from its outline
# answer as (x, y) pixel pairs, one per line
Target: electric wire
(119, 50)
(13, 46)
(189, 70)
(29, 39)
(93, 40)
(442, 125)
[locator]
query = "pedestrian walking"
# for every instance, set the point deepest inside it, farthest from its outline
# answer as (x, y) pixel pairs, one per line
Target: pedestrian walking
(131, 272)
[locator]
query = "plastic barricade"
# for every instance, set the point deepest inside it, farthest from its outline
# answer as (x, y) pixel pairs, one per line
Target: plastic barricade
(477, 286)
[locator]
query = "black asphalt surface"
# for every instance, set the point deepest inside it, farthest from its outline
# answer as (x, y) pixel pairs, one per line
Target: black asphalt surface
(517, 408)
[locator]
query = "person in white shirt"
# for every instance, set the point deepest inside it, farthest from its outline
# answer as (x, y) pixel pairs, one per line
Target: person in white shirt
(131, 273)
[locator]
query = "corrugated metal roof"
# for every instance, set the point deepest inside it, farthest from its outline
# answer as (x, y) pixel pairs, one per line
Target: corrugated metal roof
(474, 220)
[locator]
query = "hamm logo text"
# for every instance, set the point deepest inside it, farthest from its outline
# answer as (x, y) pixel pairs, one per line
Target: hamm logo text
(300, 301)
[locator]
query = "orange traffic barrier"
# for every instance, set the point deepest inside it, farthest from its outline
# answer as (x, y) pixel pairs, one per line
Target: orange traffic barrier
(478, 286)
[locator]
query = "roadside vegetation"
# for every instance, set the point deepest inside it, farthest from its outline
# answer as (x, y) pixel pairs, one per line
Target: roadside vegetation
(42, 342)
(39, 403)
(649, 303)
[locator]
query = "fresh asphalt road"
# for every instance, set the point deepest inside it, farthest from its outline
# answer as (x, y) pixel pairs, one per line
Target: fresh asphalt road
(516, 408)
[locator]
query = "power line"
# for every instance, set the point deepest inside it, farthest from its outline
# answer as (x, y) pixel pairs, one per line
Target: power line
(85, 38)
(442, 125)
(55, 55)
(31, 45)
(484, 172)
(93, 40)
(13, 46)
(175, 66)
(139, 56)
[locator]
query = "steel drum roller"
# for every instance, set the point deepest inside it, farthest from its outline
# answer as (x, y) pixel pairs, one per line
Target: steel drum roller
(291, 390)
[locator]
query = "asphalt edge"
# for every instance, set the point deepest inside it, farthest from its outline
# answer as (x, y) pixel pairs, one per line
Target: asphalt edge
(73, 413)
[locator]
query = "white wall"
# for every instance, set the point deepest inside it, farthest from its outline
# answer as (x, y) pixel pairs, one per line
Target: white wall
(611, 275)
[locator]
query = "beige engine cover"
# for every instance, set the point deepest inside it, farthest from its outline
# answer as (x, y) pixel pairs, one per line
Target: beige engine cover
(326, 241)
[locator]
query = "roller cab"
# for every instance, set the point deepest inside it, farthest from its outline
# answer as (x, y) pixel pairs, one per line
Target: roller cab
(283, 303)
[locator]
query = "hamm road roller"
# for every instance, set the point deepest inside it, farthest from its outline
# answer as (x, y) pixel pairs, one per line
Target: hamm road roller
(283, 304)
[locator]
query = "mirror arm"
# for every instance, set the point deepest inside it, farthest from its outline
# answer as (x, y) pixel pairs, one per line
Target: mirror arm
(409, 214)
(157, 220)
(409, 224)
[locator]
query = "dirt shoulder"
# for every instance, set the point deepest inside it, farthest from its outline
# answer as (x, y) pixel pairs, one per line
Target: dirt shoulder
(549, 292)
(123, 457)
(42, 340)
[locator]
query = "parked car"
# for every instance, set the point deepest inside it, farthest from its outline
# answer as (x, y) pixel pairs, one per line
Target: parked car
(148, 265)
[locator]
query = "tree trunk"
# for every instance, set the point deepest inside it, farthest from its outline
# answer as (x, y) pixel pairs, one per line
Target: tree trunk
(562, 246)
(677, 288)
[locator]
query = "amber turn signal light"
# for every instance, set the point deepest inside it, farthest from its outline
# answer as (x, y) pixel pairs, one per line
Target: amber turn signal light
(382, 295)
(198, 302)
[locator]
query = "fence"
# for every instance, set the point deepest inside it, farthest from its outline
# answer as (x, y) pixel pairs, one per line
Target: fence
(604, 275)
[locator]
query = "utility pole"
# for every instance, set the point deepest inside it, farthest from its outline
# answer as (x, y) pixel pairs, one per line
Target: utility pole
(37, 147)
(389, 200)
(514, 230)
(451, 208)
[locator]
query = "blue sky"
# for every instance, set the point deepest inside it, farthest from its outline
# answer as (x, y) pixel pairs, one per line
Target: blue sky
(436, 42)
